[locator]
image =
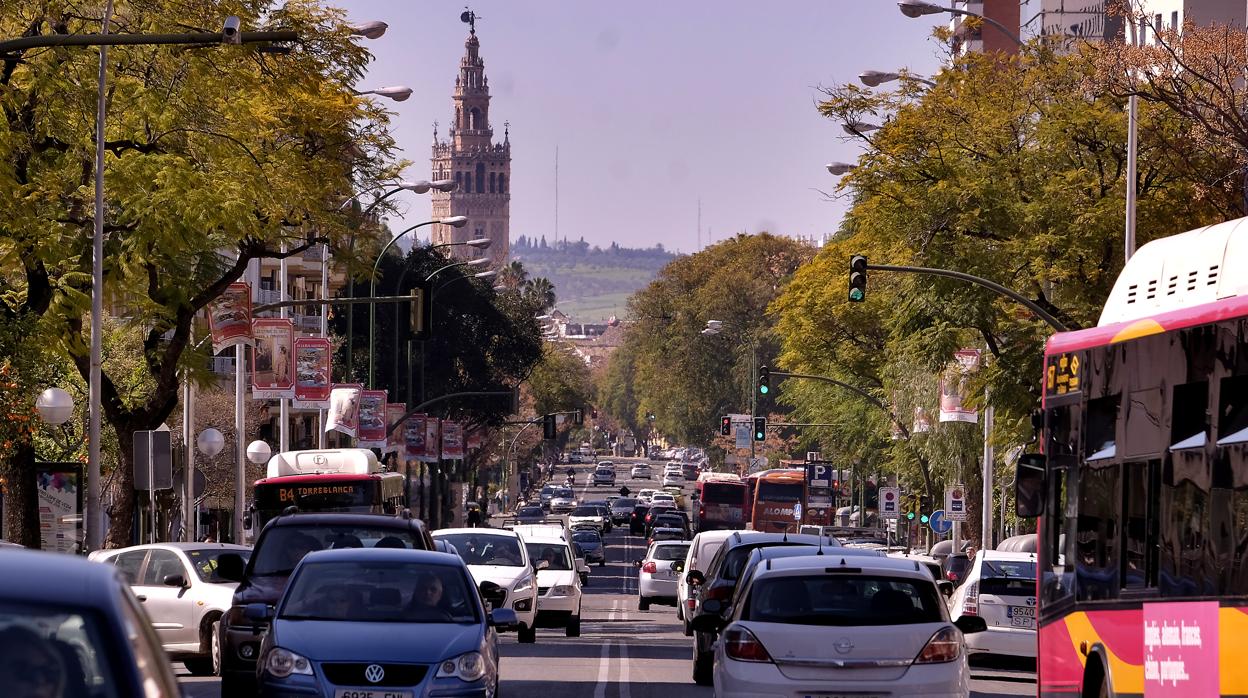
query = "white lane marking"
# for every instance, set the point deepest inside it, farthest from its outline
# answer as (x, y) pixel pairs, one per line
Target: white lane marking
(624, 692)
(604, 670)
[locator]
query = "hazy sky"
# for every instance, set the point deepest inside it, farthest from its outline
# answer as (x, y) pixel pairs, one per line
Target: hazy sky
(653, 106)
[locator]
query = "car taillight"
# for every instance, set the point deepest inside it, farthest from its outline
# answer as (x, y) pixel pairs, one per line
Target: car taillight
(944, 646)
(650, 567)
(970, 603)
(741, 645)
(701, 512)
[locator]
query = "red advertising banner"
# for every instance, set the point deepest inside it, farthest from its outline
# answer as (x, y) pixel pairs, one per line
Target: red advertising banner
(373, 419)
(953, 387)
(229, 317)
(395, 412)
(312, 357)
(344, 409)
(432, 440)
(452, 441)
(414, 437)
(474, 439)
(272, 358)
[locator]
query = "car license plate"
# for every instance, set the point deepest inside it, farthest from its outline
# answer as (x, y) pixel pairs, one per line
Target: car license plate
(1021, 616)
(370, 693)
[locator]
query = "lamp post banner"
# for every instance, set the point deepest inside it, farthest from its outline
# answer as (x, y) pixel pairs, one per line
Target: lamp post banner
(372, 419)
(60, 506)
(312, 357)
(433, 433)
(273, 374)
(452, 441)
(344, 409)
(414, 436)
(474, 440)
(953, 387)
(229, 317)
(395, 412)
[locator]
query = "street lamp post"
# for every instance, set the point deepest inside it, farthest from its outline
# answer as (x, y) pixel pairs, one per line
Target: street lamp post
(918, 8)
(875, 78)
(839, 168)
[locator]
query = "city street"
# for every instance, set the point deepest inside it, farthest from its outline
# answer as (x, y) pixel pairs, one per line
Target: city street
(623, 652)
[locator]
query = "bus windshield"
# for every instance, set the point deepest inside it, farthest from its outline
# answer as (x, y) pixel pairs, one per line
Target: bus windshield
(358, 495)
(723, 493)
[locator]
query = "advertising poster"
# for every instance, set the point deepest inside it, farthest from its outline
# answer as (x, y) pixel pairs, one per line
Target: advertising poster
(433, 434)
(452, 441)
(372, 419)
(1181, 647)
(414, 437)
(953, 387)
(395, 412)
(955, 502)
(474, 440)
(312, 357)
(229, 317)
(60, 506)
(922, 422)
(344, 409)
(273, 358)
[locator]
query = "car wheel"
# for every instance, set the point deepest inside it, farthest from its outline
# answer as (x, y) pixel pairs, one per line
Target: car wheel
(216, 648)
(199, 666)
(643, 603)
(574, 627)
(680, 613)
(688, 629)
(703, 668)
(527, 635)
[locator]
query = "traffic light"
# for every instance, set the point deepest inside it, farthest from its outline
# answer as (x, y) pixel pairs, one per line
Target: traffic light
(925, 505)
(725, 426)
(760, 428)
(925, 519)
(420, 312)
(857, 278)
(549, 430)
(578, 418)
(764, 380)
(911, 503)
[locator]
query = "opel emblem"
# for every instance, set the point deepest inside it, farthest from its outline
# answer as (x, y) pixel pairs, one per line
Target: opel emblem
(374, 673)
(843, 645)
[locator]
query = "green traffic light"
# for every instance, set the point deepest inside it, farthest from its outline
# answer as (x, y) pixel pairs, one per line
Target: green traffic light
(856, 295)
(763, 389)
(924, 519)
(909, 516)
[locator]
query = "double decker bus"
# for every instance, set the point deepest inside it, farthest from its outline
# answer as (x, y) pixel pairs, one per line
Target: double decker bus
(1142, 486)
(779, 499)
(342, 479)
(721, 502)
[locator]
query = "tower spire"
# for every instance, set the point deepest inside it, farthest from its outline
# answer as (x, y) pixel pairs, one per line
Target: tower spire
(470, 18)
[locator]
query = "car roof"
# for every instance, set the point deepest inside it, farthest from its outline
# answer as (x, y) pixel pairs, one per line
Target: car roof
(482, 531)
(751, 537)
(671, 542)
(329, 519)
(40, 577)
(775, 552)
(171, 546)
(809, 563)
(1006, 555)
(424, 557)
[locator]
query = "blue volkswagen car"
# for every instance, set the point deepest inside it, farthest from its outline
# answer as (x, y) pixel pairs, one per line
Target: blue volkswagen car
(380, 622)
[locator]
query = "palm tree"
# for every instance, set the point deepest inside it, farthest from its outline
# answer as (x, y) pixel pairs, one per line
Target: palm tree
(514, 276)
(541, 292)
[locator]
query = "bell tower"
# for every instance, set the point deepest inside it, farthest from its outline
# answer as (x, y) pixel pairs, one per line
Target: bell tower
(480, 167)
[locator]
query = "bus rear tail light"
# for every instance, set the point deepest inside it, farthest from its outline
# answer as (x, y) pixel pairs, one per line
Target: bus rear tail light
(741, 645)
(650, 567)
(944, 646)
(970, 603)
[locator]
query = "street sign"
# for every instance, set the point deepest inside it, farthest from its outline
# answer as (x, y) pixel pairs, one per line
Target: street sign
(741, 431)
(813, 456)
(201, 483)
(890, 498)
(152, 454)
(940, 525)
(819, 474)
(955, 503)
(797, 511)
(757, 464)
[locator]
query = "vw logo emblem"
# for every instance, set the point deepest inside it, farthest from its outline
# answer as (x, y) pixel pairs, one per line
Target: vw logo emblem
(374, 673)
(843, 645)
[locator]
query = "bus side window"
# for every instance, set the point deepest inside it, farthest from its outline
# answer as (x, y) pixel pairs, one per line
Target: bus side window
(1061, 448)
(1188, 561)
(1096, 536)
(1140, 482)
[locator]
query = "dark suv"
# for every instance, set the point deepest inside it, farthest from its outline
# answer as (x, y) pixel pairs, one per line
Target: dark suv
(281, 545)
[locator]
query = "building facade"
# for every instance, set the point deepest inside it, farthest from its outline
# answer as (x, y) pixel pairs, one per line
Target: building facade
(986, 37)
(480, 167)
(1065, 21)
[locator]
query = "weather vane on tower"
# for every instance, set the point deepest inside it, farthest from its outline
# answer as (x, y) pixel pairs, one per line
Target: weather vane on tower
(470, 18)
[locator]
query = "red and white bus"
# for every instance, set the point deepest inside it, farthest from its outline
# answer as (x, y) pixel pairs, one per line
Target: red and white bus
(779, 499)
(721, 502)
(342, 479)
(1142, 487)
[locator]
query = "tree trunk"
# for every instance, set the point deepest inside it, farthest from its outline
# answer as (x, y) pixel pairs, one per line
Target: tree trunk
(121, 512)
(21, 496)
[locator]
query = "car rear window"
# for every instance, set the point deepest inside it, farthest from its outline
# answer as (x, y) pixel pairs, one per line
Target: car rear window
(720, 493)
(842, 600)
(204, 562)
(670, 552)
(282, 547)
(624, 503)
(1008, 578)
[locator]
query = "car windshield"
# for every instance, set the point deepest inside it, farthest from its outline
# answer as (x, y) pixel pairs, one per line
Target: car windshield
(669, 552)
(1008, 577)
(62, 644)
(549, 489)
(204, 562)
(842, 600)
(530, 511)
(554, 554)
(478, 549)
(380, 591)
(563, 492)
(624, 503)
(282, 547)
(586, 511)
(586, 537)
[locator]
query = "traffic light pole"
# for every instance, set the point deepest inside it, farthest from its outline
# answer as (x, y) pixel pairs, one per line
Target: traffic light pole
(991, 285)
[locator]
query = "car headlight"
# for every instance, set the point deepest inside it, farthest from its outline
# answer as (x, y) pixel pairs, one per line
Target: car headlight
(563, 590)
(282, 663)
(467, 667)
(523, 585)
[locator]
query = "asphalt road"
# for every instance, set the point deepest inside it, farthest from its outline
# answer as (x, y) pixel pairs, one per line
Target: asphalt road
(624, 652)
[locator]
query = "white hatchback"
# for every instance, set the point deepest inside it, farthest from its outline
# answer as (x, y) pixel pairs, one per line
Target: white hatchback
(640, 472)
(499, 556)
(820, 625)
(1001, 589)
(703, 548)
(659, 572)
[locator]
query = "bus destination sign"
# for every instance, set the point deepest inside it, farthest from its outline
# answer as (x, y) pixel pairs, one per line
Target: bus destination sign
(1063, 374)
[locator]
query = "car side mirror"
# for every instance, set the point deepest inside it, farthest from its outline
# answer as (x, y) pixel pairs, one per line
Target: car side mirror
(679, 566)
(946, 588)
(581, 566)
(707, 622)
(231, 567)
(695, 578)
(259, 612)
(504, 619)
(1029, 485)
(971, 624)
(175, 580)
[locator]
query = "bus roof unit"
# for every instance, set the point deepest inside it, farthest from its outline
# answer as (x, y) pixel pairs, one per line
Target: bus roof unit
(344, 461)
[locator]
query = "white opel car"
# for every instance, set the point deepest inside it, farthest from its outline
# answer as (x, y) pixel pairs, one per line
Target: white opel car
(182, 594)
(839, 625)
(657, 572)
(499, 556)
(1001, 589)
(558, 581)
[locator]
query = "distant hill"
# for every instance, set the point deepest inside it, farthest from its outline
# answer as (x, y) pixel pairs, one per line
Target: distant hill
(592, 283)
